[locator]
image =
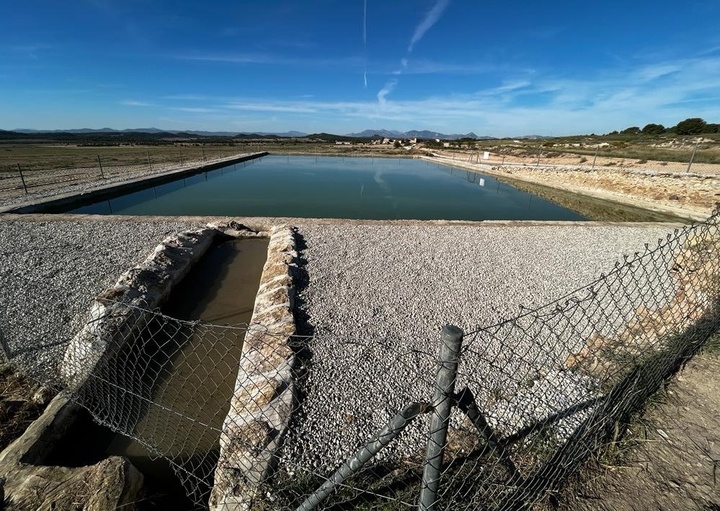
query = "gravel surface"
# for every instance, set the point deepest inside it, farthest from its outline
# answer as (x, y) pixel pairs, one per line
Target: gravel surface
(50, 272)
(377, 297)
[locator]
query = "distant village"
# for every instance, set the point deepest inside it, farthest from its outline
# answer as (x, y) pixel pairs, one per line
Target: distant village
(407, 143)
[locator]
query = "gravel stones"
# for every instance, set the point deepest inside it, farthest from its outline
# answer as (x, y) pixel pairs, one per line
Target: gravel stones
(50, 271)
(378, 295)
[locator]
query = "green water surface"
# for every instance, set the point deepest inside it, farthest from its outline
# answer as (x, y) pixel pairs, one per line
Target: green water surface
(337, 187)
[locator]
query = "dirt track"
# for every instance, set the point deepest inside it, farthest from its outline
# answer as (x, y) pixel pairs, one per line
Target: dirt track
(671, 456)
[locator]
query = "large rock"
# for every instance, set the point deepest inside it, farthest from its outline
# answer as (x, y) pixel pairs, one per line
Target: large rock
(111, 484)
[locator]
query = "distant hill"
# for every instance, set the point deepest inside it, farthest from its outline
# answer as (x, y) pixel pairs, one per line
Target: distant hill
(424, 134)
(156, 131)
(329, 137)
(158, 134)
(287, 134)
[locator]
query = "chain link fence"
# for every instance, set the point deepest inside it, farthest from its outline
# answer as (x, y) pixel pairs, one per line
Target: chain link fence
(491, 418)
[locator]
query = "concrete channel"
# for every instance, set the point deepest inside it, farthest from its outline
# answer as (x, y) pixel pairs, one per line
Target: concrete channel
(201, 404)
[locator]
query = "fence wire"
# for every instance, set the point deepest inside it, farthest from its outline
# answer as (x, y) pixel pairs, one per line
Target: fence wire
(534, 395)
(699, 156)
(53, 175)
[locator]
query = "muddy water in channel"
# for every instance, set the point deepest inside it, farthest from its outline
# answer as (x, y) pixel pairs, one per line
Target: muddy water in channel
(193, 368)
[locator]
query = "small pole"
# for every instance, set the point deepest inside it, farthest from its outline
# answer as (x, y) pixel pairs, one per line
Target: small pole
(22, 178)
(202, 148)
(692, 156)
(451, 337)
(102, 175)
(597, 150)
(148, 160)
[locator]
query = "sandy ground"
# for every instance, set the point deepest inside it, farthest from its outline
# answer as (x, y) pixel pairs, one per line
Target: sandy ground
(649, 185)
(671, 456)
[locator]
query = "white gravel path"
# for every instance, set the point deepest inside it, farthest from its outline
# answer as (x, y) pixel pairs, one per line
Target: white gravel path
(51, 270)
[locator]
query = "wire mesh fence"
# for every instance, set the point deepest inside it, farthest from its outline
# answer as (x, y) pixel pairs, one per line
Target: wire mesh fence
(685, 157)
(495, 422)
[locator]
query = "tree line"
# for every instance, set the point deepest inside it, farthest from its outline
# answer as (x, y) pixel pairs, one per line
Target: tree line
(690, 126)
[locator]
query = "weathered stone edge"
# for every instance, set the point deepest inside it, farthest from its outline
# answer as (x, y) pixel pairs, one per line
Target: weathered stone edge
(145, 286)
(264, 396)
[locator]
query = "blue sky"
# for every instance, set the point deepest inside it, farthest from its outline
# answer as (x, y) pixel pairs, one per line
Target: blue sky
(489, 66)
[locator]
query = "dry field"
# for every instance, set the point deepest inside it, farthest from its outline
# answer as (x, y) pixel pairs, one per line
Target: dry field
(29, 171)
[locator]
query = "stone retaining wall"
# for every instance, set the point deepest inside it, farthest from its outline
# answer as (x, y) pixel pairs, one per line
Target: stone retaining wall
(264, 394)
(144, 286)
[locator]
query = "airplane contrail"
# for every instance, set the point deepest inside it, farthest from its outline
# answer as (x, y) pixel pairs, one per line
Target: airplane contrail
(365, 40)
(431, 18)
(426, 24)
(365, 22)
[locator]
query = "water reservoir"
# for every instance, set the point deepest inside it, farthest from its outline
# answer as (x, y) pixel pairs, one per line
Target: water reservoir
(336, 187)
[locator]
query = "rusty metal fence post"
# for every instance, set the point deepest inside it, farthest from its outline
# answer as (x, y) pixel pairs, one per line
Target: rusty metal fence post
(443, 400)
(102, 174)
(22, 178)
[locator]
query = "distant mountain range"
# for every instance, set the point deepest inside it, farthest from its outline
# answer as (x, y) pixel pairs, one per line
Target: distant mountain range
(156, 131)
(424, 134)
(383, 133)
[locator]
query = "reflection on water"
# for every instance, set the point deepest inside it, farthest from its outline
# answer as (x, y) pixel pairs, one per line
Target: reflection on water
(337, 187)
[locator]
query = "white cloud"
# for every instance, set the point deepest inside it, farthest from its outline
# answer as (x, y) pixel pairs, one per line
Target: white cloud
(186, 97)
(387, 89)
(132, 102)
(525, 102)
(194, 110)
(261, 106)
(350, 62)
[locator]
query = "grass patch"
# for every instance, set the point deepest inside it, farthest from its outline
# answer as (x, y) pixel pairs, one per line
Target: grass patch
(21, 402)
